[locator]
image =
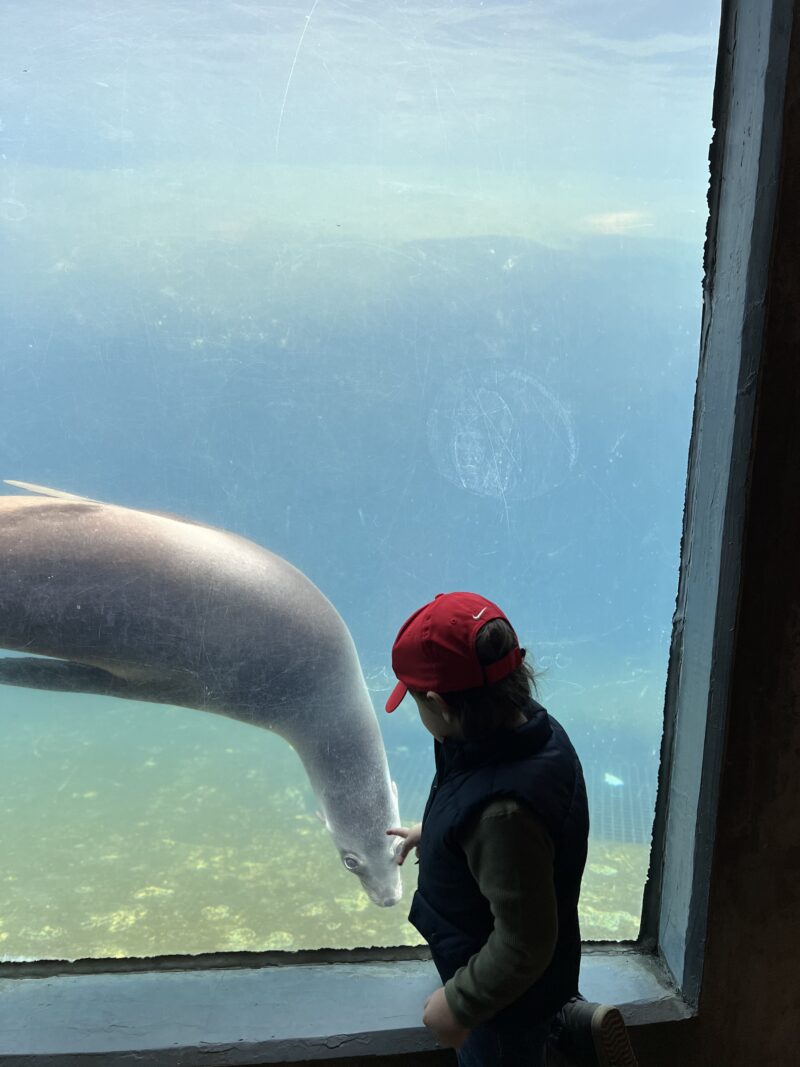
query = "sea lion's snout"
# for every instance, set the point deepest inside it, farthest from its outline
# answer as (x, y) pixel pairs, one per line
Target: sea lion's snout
(373, 863)
(386, 893)
(385, 898)
(380, 880)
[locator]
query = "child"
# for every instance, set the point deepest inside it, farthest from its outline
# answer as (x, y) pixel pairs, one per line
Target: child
(501, 846)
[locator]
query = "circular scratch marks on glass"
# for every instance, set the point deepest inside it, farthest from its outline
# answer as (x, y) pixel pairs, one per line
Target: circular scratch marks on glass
(506, 437)
(12, 210)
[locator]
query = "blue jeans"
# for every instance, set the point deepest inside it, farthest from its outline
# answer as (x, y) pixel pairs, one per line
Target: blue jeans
(497, 1044)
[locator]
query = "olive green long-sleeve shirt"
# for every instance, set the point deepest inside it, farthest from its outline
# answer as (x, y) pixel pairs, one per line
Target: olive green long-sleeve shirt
(510, 855)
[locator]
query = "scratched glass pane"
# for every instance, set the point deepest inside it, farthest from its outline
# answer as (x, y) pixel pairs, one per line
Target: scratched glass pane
(407, 294)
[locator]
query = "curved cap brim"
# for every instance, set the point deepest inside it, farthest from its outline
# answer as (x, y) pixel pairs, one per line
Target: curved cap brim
(396, 697)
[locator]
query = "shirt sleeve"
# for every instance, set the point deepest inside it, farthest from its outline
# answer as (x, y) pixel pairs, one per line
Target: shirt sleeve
(510, 855)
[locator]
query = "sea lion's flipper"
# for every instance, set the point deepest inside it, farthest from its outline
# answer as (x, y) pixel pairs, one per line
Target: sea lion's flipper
(42, 490)
(60, 675)
(65, 676)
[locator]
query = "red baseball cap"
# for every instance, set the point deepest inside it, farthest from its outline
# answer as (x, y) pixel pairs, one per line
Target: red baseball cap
(435, 648)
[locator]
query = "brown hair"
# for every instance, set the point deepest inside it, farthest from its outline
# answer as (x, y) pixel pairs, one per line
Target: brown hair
(489, 708)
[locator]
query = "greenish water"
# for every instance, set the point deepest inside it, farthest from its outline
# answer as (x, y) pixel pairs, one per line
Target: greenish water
(138, 830)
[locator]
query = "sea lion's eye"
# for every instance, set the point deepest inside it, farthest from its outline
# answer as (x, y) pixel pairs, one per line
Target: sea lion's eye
(351, 863)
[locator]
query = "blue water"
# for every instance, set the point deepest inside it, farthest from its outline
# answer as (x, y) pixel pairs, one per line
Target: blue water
(410, 297)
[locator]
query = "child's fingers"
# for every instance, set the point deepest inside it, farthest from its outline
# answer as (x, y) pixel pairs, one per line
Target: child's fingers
(401, 853)
(404, 846)
(410, 839)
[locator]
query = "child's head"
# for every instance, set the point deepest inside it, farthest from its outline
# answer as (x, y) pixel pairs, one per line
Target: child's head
(460, 659)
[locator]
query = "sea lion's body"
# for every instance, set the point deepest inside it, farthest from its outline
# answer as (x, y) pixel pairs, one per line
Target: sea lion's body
(151, 607)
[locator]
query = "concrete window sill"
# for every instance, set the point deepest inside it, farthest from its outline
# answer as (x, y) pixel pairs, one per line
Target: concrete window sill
(266, 1015)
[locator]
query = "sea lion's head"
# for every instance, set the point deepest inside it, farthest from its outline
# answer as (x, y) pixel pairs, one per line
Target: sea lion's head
(365, 849)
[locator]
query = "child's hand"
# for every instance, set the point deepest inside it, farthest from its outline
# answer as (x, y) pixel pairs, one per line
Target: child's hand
(410, 840)
(437, 1016)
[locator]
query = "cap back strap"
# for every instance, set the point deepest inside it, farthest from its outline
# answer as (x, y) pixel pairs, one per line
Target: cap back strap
(500, 668)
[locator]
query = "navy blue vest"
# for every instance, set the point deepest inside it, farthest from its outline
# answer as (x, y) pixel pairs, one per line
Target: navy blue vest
(537, 765)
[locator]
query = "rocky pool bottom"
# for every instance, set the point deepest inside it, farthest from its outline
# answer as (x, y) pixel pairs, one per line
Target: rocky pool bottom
(146, 831)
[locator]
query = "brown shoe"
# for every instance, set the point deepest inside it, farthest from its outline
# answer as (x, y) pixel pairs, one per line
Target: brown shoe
(594, 1035)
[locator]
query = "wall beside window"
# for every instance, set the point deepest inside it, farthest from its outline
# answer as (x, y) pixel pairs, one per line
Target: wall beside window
(748, 1004)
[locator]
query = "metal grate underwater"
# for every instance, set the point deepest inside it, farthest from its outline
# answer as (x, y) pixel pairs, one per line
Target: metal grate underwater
(621, 801)
(621, 797)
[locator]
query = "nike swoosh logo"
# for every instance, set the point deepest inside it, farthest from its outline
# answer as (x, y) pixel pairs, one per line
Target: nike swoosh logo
(479, 613)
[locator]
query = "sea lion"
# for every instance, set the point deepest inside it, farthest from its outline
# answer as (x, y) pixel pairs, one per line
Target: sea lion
(148, 606)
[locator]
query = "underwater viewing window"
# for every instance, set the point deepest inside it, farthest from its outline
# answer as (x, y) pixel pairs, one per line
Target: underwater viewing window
(409, 294)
